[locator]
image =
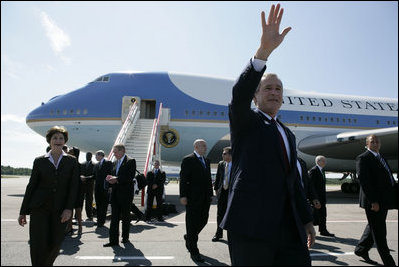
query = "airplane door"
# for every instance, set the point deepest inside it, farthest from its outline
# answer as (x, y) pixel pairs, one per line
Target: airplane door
(147, 109)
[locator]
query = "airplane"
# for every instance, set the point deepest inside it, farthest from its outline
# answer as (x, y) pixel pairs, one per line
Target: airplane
(331, 125)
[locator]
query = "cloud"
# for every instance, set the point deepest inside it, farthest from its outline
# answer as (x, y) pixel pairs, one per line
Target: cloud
(59, 40)
(12, 118)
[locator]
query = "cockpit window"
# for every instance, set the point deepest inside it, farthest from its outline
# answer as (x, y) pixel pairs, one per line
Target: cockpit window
(102, 79)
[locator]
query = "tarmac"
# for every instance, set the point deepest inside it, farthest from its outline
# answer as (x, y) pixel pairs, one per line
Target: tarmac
(162, 243)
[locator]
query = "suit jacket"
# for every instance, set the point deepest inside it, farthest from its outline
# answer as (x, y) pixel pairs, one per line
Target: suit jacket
(258, 175)
(87, 170)
(319, 183)
(46, 181)
(375, 182)
(310, 192)
(123, 190)
(158, 179)
(218, 185)
(100, 173)
(195, 180)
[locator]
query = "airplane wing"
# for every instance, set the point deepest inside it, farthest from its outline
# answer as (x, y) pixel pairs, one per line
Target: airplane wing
(348, 145)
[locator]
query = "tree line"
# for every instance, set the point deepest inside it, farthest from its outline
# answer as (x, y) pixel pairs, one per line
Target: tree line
(8, 170)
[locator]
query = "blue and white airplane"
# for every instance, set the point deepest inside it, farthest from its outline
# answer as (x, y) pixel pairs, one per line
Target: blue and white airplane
(331, 125)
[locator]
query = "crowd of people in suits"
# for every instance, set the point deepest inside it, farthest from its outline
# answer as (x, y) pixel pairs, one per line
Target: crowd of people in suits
(260, 175)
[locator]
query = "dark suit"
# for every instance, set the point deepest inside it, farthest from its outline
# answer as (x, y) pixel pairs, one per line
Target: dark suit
(49, 192)
(196, 186)
(221, 195)
(266, 207)
(375, 187)
(308, 187)
(158, 179)
(317, 179)
(121, 198)
(87, 169)
(101, 189)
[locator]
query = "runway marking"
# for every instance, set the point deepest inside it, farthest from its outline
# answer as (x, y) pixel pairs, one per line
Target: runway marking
(121, 258)
(323, 254)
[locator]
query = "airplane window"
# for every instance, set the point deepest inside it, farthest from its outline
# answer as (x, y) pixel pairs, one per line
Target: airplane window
(343, 120)
(71, 111)
(186, 112)
(354, 120)
(332, 119)
(378, 122)
(314, 118)
(349, 120)
(222, 113)
(105, 79)
(215, 113)
(78, 111)
(209, 113)
(85, 111)
(337, 119)
(64, 112)
(319, 118)
(301, 118)
(51, 112)
(388, 122)
(193, 112)
(99, 79)
(200, 112)
(58, 112)
(326, 119)
(394, 122)
(307, 118)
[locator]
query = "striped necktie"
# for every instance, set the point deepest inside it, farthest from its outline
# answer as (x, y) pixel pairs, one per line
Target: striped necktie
(386, 167)
(202, 161)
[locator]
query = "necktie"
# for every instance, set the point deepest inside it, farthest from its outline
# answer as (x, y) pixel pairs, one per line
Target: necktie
(202, 161)
(118, 164)
(226, 176)
(386, 167)
(282, 145)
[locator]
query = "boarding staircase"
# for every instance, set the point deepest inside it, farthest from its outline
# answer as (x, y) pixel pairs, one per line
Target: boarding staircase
(140, 137)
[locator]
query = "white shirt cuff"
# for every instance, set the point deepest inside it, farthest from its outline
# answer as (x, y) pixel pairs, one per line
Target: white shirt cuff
(258, 64)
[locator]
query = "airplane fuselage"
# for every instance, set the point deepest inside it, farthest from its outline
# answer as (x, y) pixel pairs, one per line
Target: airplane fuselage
(199, 109)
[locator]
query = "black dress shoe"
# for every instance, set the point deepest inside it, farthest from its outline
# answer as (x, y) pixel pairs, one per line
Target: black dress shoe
(197, 257)
(366, 257)
(110, 244)
(125, 240)
(326, 233)
(216, 238)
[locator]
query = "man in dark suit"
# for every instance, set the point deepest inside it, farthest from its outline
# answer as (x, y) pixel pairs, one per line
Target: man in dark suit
(377, 187)
(308, 188)
(121, 181)
(101, 170)
(196, 194)
(267, 217)
(318, 179)
(155, 187)
(87, 177)
(221, 187)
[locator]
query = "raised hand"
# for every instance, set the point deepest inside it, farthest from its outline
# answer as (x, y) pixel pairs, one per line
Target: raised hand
(271, 37)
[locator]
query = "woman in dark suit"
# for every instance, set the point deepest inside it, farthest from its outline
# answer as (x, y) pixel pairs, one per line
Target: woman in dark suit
(49, 198)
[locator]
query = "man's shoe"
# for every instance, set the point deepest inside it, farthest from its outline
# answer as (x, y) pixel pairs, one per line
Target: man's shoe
(139, 218)
(326, 233)
(125, 240)
(110, 244)
(365, 257)
(161, 219)
(216, 238)
(197, 257)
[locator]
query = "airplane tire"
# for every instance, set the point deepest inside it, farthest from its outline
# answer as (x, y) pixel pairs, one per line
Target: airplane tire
(354, 188)
(345, 187)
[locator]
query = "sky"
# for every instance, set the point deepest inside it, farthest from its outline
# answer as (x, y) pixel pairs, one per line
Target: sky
(50, 48)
